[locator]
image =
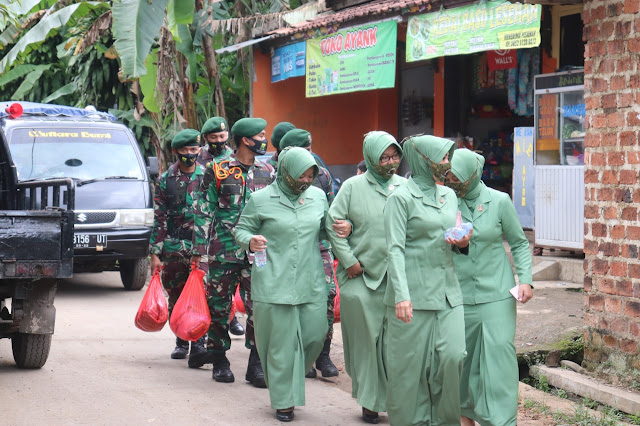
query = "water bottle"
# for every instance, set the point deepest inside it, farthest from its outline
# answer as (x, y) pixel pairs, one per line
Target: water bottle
(260, 258)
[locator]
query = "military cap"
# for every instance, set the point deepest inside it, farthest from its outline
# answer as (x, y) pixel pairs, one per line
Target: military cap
(186, 137)
(279, 131)
(296, 137)
(215, 125)
(248, 127)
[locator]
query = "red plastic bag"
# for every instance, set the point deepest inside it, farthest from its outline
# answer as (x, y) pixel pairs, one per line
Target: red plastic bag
(237, 301)
(336, 300)
(190, 318)
(153, 311)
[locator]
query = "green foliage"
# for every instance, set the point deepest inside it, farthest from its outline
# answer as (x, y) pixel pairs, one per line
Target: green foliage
(136, 24)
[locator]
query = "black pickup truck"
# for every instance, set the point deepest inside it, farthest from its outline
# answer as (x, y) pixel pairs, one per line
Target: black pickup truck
(36, 249)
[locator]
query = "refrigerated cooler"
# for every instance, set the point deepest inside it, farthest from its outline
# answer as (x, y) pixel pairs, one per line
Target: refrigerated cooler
(559, 160)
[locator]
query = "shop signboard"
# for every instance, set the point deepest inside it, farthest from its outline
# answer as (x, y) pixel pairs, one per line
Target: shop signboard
(492, 25)
(288, 61)
(523, 175)
(502, 59)
(361, 58)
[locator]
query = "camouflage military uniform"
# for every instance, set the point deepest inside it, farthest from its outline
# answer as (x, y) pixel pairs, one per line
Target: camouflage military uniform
(172, 233)
(324, 182)
(205, 157)
(273, 161)
(225, 189)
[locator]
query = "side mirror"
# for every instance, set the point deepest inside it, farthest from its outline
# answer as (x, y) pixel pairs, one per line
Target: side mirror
(338, 181)
(154, 167)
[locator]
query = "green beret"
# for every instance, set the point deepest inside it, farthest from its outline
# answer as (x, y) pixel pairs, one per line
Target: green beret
(248, 127)
(296, 137)
(215, 125)
(186, 137)
(279, 131)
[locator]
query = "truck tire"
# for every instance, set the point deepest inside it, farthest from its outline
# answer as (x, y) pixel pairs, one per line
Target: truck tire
(30, 350)
(133, 273)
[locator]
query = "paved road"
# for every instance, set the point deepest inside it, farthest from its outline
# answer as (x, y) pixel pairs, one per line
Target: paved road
(103, 370)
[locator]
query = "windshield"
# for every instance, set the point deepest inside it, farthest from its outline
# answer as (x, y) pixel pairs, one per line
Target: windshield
(79, 153)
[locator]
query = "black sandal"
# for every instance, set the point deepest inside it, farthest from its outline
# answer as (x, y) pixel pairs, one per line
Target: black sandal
(285, 415)
(369, 416)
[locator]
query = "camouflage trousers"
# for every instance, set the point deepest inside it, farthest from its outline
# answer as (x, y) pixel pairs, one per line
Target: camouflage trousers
(175, 271)
(327, 261)
(222, 280)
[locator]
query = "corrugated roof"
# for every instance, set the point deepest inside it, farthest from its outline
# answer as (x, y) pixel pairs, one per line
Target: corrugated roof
(375, 8)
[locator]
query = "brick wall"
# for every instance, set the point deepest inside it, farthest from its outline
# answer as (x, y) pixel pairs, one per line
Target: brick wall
(612, 192)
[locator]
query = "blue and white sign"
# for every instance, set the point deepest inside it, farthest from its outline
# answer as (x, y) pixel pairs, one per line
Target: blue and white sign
(288, 61)
(523, 176)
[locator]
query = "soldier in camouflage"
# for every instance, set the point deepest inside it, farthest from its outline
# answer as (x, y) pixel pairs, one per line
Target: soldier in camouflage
(215, 133)
(302, 138)
(225, 190)
(279, 131)
(171, 238)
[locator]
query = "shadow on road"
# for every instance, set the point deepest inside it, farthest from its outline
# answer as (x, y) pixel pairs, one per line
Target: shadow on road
(91, 285)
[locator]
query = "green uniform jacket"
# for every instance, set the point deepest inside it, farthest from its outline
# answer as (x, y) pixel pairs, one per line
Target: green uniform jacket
(294, 273)
(169, 216)
(360, 201)
(416, 270)
(485, 275)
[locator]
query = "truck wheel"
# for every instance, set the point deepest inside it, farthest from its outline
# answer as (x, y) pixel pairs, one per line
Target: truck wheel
(133, 273)
(30, 350)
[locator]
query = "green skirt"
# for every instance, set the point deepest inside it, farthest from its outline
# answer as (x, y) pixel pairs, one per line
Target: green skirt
(289, 338)
(362, 313)
(489, 383)
(423, 361)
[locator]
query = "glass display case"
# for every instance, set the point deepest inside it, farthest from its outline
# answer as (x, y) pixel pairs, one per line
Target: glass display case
(559, 118)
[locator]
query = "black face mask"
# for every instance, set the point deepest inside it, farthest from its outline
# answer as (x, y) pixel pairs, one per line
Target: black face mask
(187, 160)
(259, 146)
(216, 148)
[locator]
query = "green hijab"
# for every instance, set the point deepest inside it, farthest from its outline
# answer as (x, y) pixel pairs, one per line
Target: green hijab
(424, 154)
(467, 166)
(374, 145)
(292, 163)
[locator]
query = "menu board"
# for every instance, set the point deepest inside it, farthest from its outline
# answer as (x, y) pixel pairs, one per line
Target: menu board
(361, 58)
(494, 25)
(547, 117)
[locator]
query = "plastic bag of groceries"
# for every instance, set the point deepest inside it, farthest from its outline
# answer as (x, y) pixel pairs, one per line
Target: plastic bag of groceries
(190, 318)
(153, 311)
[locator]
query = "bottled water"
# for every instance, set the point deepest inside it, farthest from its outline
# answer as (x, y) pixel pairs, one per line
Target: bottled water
(260, 258)
(459, 231)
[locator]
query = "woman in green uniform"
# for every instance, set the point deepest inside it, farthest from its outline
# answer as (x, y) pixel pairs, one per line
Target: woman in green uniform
(289, 292)
(486, 277)
(424, 333)
(362, 269)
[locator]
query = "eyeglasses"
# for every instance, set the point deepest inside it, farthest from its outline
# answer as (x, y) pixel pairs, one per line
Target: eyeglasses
(387, 158)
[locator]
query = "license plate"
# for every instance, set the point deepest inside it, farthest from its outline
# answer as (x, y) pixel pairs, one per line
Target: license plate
(97, 241)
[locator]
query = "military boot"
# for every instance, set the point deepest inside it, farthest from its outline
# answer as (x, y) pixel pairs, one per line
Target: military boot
(222, 368)
(198, 348)
(235, 327)
(255, 375)
(181, 350)
(324, 363)
(311, 374)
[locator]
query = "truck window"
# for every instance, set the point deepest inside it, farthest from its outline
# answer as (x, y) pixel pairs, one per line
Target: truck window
(75, 152)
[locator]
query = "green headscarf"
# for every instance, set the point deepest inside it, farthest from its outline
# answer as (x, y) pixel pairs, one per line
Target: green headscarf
(292, 163)
(467, 166)
(424, 154)
(374, 145)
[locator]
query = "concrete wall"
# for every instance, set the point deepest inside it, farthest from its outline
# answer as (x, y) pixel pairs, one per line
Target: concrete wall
(612, 193)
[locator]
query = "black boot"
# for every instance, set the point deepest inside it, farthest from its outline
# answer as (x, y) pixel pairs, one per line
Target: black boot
(311, 374)
(255, 375)
(198, 355)
(181, 350)
(221, 368)
(324, 364)
(235, 327)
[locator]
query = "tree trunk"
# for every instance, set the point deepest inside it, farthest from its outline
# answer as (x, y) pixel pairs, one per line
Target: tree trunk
(213, 72)
(189, 111)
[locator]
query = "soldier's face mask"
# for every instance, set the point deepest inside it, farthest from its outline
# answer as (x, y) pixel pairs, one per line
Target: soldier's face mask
(188, 159)
(259, 146)
(216, 142)
(439, 171)
(295, 185)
